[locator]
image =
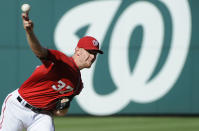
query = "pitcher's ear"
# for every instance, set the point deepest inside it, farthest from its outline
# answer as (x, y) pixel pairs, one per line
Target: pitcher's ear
(77, 51)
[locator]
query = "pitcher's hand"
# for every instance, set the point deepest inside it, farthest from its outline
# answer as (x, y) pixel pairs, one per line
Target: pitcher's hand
(27, 23)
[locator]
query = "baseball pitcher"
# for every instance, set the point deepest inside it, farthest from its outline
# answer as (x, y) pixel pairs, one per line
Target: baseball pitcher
(50, 88)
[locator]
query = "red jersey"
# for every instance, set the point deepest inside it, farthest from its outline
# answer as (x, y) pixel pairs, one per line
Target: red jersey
(57, 77)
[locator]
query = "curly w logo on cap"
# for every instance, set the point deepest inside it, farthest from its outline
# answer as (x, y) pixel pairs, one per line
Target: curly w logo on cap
(89, 43)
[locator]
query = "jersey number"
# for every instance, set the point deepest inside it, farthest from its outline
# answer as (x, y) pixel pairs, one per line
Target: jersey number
(60, 86)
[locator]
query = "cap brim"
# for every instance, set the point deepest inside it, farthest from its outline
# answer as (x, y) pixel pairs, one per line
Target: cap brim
(98, 51)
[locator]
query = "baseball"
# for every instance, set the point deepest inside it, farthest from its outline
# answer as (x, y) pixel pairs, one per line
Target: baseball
(25, 8)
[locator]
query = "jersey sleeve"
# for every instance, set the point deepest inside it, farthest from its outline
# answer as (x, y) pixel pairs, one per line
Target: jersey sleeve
(54, 56)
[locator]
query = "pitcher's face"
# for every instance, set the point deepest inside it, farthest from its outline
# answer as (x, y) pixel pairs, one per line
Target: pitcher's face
(87, 57)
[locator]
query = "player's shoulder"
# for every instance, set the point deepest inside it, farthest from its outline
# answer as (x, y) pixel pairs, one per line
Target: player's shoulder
(53, 51)
(58, 54)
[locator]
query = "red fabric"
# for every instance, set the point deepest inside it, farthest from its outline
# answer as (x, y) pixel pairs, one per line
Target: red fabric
(89, 43)
(58, 76)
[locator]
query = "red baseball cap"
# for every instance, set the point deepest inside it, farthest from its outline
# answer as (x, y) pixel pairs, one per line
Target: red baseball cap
(89, 43)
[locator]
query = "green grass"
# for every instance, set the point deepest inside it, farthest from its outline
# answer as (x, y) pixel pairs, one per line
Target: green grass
(127, 123)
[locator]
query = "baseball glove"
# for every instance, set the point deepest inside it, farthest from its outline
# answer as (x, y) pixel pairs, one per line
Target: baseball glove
(63, 103)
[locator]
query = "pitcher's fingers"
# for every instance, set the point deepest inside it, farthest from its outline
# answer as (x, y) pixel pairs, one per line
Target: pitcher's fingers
(25, 16)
